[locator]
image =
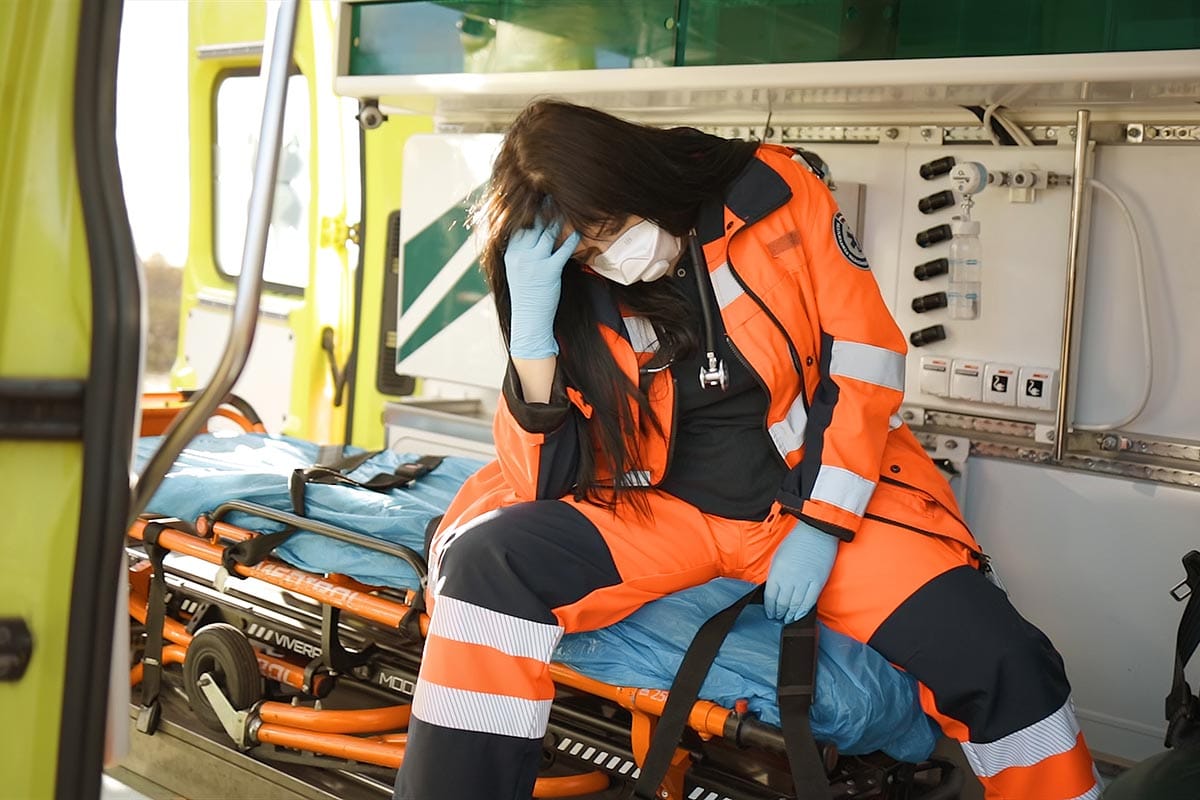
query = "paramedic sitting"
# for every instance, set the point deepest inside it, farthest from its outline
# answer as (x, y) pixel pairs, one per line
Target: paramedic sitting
(625, 262)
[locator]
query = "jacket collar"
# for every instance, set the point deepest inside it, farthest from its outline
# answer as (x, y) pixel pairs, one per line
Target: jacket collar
(755, 192)
(604, 306)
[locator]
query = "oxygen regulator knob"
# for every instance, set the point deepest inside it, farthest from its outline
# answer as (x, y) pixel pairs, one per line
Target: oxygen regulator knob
(969, 177)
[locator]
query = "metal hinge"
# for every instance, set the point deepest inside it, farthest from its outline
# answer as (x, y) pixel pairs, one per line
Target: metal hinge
(335, 232)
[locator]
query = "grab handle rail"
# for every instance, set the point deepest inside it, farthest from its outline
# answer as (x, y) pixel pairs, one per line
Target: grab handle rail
(277, 58)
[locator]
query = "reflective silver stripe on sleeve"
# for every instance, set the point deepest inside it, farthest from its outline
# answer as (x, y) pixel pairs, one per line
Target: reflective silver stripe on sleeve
(725, 286)
(788, 433)
(465, 710)
(842, 488)
(641, 335)
(868, 363)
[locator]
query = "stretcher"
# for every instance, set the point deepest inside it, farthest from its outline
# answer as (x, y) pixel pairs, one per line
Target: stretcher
(307, 651)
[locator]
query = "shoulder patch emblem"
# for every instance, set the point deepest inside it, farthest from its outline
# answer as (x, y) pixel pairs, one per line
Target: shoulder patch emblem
(848, 243)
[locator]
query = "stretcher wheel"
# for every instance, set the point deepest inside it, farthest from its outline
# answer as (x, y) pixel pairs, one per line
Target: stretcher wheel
(223, 651)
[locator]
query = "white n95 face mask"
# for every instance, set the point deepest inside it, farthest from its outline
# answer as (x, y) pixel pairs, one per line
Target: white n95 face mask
(642, 253)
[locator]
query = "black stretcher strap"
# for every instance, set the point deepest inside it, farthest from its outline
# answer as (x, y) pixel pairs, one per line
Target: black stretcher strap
(253, 550)
(156, 611)
(797, 670)
(797, 685)
(1183, 707)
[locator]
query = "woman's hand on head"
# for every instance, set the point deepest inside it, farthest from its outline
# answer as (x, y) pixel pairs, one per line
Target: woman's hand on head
(531, 258)
(533, 267)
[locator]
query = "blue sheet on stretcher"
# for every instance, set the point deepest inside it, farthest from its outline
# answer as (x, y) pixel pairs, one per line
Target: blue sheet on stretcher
(862, 703)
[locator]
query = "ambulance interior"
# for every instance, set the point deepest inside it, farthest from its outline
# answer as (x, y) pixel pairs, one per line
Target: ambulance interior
(1054, 385)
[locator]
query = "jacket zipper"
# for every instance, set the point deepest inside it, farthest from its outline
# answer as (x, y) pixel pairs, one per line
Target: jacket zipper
(770, 315)
(763, 385)
(979, 554)
(792, 352)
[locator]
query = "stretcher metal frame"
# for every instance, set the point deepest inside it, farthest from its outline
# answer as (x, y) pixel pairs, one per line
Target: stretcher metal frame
(602, 730)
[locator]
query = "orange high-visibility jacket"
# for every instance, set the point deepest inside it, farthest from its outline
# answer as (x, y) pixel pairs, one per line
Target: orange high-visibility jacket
(802, 308)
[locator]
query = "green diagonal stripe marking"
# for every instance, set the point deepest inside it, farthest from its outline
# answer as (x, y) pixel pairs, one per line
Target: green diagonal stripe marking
(425, 255)
(467, 291)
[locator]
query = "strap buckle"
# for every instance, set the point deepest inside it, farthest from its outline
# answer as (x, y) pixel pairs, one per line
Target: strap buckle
(1191, 565)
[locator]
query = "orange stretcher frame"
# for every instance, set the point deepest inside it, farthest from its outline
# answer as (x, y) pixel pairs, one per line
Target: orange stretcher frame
(337, 733)
(159, 409)
(372, 736)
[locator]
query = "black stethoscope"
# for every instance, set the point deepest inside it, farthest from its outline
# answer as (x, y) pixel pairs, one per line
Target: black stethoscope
(713, 374)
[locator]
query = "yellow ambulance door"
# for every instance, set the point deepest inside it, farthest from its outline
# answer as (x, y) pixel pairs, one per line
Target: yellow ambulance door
(69, 364)
(294, 373)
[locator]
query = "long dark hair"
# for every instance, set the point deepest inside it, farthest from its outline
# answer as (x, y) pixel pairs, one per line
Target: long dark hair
(593, 171)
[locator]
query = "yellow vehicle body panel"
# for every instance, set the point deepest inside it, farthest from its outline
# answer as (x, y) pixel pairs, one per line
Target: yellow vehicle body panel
(45, 331)
(384, 151)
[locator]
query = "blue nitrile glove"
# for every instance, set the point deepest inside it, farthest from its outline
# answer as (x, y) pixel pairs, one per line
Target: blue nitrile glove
(798, 572)
(534, 269)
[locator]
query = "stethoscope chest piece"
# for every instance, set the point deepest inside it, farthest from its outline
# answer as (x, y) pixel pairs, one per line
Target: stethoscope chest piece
(713, 375)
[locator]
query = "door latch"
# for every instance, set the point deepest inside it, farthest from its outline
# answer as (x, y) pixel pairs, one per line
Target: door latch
(16, 647)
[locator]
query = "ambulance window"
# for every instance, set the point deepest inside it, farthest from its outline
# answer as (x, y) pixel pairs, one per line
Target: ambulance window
(237, 117)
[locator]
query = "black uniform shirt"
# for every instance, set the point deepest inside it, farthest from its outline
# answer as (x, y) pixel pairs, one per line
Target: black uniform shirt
(722, 460)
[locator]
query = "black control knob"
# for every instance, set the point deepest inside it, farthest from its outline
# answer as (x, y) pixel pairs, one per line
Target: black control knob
(931, 269)
(934, 333)
(937, 167)
(931, 236)
(929, 302)
(936, 201)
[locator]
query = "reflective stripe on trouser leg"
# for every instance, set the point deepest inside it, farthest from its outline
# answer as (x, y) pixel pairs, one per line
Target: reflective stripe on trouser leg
(484, 692)
(1036, 759)
(995, 683)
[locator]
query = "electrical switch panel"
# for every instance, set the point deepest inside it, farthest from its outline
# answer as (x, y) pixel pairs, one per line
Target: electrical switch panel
(966, 380)
(991, 383)
(1037, 387)
(935, 376)
(1000, 384)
